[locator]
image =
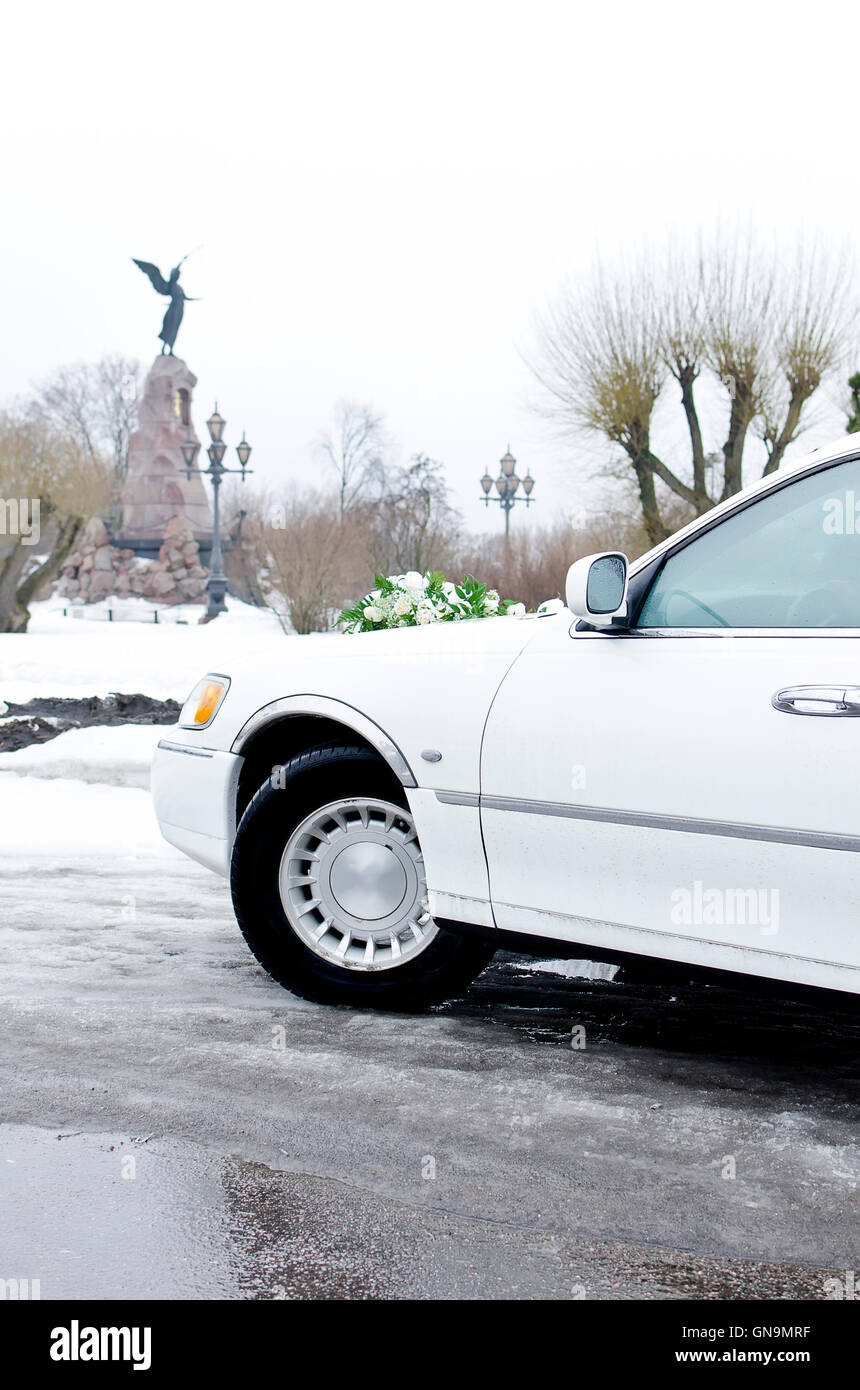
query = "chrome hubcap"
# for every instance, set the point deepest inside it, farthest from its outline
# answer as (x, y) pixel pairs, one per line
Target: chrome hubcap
(352, 885)
(368, 880)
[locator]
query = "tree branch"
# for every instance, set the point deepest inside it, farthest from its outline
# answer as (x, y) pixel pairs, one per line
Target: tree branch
(654, 527)
(19, 616)
(657, 466)
(800, 391)
(685, 376)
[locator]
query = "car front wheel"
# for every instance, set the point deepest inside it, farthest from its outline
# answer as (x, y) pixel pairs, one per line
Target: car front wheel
(330, 893)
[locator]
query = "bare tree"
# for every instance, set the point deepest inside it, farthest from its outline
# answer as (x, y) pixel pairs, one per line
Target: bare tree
(816, 322)
(314, 559)
(762, 333)
(95, 404)
(54, 479)
(413, 525)
(354, 447)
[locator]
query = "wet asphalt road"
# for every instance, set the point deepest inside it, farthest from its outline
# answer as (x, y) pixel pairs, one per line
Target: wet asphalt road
(283, 1150)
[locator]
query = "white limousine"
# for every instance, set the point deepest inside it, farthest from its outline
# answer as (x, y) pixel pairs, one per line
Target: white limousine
(669, 767)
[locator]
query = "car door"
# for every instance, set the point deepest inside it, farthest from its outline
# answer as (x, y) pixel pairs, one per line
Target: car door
(691, 789)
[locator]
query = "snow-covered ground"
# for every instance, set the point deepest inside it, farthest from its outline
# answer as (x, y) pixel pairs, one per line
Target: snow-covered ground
(44, 820)
(87, 655)
(84, 795)
(119, 756)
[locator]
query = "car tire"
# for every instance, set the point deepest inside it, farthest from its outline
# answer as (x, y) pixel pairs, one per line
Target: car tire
(328, 888)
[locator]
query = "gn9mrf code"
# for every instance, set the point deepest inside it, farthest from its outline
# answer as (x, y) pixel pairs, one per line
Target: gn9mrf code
(713, 1334)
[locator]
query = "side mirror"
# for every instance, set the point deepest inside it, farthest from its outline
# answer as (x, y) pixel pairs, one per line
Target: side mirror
(596, 588)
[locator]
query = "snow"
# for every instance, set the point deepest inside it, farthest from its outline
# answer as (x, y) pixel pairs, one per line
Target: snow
(572, 969)
(90, 656)
(51, 820)
(83, 797)
(119, 756)
(83, 793)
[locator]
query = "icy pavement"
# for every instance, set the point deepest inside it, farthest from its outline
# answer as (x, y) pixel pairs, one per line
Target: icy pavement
(284, 1149)
(170, 1218)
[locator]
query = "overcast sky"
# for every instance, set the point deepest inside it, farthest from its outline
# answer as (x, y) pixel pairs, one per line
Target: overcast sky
(386, 193)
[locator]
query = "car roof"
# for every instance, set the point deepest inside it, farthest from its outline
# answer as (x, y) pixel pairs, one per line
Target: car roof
(847, 446)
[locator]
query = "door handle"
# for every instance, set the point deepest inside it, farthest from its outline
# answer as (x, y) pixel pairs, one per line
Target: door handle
(826, 700)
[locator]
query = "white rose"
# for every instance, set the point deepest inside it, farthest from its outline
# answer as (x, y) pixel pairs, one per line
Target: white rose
(413, 583)
(424, 615)
(373, 614)
(402, 606)
(517, 610)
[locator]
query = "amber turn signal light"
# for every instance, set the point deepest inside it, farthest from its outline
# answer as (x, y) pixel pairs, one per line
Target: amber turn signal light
(200, 707)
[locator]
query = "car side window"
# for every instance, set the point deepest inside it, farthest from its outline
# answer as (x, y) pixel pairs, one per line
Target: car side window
(790, 559)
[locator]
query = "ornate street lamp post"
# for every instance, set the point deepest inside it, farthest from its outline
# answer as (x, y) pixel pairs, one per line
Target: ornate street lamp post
(216, 584)
(507, 485)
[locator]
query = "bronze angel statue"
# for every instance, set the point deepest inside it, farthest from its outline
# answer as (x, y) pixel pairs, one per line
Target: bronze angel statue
(176, 307)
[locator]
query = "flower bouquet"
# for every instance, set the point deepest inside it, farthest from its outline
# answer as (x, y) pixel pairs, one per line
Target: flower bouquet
(413, 599)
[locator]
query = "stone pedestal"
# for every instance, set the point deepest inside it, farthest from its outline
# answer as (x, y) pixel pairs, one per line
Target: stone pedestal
(156, 489)
(97, 570)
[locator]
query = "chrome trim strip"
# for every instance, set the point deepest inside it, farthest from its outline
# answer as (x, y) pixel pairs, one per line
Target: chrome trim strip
(735, 830)
(183, 748)
(325, 707)
(459, 798)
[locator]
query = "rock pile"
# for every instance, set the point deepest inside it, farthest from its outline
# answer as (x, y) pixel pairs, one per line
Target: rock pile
(96, 569)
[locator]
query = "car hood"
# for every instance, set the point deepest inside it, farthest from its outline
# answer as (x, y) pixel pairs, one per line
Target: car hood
(485, 636)
(471, 635)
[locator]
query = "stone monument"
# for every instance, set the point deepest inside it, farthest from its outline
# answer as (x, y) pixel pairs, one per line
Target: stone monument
(157, 490)
(165, 536)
